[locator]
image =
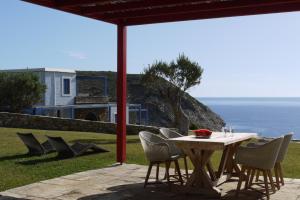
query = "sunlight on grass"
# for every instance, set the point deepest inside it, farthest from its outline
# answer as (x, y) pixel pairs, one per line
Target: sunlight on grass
(17, 169)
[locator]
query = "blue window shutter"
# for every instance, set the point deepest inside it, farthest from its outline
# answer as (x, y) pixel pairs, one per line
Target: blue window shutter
(67, 86)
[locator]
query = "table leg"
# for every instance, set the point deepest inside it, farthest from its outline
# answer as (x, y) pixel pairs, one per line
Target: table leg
(227, 163)
(232, 168)
(199, 178)
(223, 162)
(211, 171)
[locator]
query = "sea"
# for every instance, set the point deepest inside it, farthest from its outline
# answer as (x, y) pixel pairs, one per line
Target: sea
(269, 117)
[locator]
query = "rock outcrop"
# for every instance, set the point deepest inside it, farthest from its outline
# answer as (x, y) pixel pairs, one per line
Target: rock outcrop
(160, 112)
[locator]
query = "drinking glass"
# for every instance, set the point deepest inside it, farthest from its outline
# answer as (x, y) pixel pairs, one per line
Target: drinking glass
(230, 131)
(224, 130)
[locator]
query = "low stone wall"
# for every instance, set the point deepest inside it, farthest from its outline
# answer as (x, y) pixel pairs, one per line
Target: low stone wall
(14, 120)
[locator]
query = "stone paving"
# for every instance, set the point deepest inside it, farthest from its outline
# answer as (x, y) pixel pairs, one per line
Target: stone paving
(125, 182)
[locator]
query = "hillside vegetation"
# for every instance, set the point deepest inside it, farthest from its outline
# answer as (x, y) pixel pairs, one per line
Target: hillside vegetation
(160, 112)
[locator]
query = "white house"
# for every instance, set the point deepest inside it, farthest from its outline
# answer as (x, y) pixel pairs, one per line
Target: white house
(61, 100)
(60, 83)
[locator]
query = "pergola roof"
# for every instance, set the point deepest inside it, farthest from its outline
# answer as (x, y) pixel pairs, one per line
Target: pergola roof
(138, 12)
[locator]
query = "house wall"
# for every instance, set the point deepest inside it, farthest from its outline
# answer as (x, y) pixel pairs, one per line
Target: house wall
(53, 95)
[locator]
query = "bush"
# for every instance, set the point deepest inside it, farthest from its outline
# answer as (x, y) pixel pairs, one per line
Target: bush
(20, 90)
(193, 126)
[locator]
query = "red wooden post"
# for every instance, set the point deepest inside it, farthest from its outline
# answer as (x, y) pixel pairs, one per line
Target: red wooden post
(121, 95)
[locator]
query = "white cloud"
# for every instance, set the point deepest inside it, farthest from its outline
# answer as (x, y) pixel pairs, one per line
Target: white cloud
(78, 55)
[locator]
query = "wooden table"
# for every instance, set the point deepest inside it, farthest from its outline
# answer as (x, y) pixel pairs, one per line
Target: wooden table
(200, 152)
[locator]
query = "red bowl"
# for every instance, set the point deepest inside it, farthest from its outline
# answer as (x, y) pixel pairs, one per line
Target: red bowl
(202, 132)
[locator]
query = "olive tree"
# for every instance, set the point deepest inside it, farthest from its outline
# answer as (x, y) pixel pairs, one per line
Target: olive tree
(20, 90)
(181, 75)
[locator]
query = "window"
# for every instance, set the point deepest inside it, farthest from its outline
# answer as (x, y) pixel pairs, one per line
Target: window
(116, 118)
(66, 86)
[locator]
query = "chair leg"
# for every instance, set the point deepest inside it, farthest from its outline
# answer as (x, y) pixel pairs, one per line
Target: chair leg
(266, 184)
(178, 171)
(252, 177)
(271, 180)
(277, 176)
(168, 163)
(186, 167)
(157, 171)
(249, 170)
(165, 176)
(240, 181)
(175, 170)
(281, 173)
(148, 174)
(257, 176)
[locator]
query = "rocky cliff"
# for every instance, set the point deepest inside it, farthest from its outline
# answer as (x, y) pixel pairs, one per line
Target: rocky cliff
(160, 112)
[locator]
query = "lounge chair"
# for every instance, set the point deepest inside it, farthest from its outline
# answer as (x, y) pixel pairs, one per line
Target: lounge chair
(34, 146)
(66, 151)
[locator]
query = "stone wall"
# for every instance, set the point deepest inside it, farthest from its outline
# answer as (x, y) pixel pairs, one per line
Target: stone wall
(14, 120)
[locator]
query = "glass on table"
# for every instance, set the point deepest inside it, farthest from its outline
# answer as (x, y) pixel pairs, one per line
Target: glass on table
(228, 132)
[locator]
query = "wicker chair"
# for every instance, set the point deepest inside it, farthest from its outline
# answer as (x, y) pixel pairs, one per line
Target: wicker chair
(281, 155)
(261, 157)
(158, 151)
(167, 133)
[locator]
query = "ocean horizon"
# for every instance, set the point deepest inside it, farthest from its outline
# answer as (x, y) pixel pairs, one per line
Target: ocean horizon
(267, 116)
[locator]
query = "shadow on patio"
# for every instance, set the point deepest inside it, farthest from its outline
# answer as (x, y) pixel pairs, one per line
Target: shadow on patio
(10, 198)
(135, 191)
(123, 182)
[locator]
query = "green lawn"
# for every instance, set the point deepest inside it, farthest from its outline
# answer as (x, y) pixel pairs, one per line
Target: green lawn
(16, 169)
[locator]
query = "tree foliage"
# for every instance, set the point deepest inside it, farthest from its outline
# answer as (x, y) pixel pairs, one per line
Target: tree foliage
(181, 74)
(20, 90)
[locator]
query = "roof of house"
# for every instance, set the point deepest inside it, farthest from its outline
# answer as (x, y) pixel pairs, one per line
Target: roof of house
(44, 69)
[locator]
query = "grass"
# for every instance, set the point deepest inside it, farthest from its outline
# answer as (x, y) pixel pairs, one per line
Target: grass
(17, 169)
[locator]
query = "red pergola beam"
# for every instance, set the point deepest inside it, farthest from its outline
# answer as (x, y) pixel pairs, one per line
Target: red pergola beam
(74, 10)
(197, 15)
(202, 7)
(73, 3)
(133, 5)
(46, 3)
(141, 12)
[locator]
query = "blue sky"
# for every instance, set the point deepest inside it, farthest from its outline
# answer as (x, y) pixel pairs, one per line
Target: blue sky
(242, 56)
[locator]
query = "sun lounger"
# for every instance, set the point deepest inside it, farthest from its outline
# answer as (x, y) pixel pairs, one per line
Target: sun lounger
(65, 151)
(34, 146)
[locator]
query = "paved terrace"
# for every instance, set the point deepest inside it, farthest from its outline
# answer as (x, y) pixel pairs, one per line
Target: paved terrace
(126, 182)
